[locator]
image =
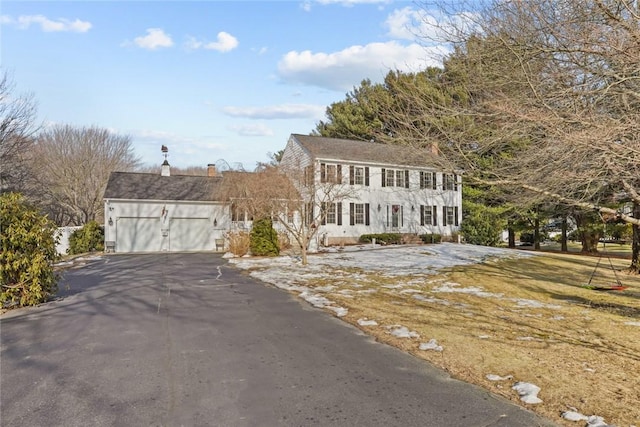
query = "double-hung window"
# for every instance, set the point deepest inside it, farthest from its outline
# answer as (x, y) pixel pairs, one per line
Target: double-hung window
(450, 182)
(358, 175)
(428, 180)
(330, 173)
(395, 178)
(359, 213)
(428, 215)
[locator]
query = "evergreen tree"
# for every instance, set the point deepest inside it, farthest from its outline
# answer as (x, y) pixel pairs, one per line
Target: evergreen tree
(263, 238)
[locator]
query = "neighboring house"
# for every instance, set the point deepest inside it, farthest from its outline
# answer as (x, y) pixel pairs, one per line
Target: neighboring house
(145, 212)
(386, 188)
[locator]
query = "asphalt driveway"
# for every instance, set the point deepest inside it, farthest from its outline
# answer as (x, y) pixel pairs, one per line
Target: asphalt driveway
(187, 340)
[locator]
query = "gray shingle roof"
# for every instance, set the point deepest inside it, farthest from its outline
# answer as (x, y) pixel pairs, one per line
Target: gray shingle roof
(151, 186)
(323, 148)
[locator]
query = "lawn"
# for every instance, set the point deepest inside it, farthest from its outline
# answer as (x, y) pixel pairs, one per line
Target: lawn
(513, 314)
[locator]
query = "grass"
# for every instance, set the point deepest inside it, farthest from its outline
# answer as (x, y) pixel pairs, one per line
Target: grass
(534, 321)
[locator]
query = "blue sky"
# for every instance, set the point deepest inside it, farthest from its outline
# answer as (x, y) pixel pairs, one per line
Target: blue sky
(212, 80)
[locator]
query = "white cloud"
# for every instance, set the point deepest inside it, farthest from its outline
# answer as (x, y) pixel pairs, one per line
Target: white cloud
(341, 71)
(254, 129)
(224, 43)
(284, 111)
(429, 26)
(23, 22)
(155, 38)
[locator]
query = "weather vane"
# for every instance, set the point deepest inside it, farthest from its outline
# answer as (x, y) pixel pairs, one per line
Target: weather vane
(165, 151)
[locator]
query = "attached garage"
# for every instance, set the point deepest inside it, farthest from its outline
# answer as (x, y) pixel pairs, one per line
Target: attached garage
(138, 235)
(162, 213)
(191, 234)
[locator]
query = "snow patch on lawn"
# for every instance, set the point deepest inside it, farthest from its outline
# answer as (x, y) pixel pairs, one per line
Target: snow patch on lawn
(528, 392)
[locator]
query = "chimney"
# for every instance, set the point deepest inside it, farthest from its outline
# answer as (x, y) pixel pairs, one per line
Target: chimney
(211, 169)
(166, 170)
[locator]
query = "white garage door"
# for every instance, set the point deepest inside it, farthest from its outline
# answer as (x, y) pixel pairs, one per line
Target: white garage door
(138, 235)
(191, 234)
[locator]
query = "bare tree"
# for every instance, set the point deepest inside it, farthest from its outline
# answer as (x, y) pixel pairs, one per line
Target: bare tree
(17, 128)
(295, 201)
(552, 105)
(72, 166)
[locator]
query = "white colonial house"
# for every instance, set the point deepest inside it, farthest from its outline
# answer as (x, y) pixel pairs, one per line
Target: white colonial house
(382, 188)
(148, 212)
(378, 189)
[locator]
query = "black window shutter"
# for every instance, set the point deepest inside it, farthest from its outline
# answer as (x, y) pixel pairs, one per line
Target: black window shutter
(406, 179)
(352, 219)
(339, 170)
(433, 181)
(366, 214)
(384, 177)
(323, 172)
(421, 212)
(455, 184)
(339, 214)
(366, 176)
(351, 175)
(444, 215)
(401, 216)
(456, 215)
(421, 179)
(435, 215)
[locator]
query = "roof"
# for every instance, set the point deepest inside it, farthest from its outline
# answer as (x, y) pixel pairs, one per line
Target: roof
(323, 148)
(151, 186)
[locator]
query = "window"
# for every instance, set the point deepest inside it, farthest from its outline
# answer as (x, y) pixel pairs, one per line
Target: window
(358, 175)
(427, 215)
(331, 213)
(330, 173)
(428, 180)
(450, 215)
(395, 178)
(450, 182)
(359, 213)
(238, 214)
(390, 178)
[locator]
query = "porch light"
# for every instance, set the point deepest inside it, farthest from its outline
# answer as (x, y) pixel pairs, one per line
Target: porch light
(215, 222)
(110, 221)
(379, 207)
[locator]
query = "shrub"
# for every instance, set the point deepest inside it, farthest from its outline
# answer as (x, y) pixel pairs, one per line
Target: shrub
(238, 242)
(88, 238)
(382, 238)
(263, 238)
(431, 238)
(27, 253)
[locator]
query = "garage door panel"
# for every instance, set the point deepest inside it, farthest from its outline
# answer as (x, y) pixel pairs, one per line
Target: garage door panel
(191, 234)
(138, 235)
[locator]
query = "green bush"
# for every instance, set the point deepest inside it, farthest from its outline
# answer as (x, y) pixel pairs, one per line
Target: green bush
(27, 253)
(263, 238)
(88, 238)
(382, 238)
(431, 238)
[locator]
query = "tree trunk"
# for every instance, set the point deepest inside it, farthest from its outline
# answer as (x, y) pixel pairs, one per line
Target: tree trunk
(536, 234)
(563, 240)
(635, 245)
(512, 235)
(590, 241)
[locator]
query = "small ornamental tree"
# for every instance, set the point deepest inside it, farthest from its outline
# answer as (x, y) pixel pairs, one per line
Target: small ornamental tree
(27, 253)
(264, 239)
(86, 239)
